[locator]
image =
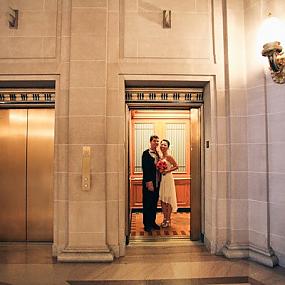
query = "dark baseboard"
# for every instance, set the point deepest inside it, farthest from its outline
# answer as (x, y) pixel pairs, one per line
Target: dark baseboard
(179, 210)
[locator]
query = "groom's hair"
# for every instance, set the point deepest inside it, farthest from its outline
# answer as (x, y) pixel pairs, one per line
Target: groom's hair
(153, 137)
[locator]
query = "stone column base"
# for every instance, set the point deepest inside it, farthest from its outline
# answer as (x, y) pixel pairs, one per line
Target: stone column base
(85, 255)
(262, 256)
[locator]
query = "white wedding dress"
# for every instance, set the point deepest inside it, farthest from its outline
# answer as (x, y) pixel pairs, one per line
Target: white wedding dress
(167, 192)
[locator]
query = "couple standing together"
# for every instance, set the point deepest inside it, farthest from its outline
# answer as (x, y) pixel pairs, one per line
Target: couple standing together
(158, 184)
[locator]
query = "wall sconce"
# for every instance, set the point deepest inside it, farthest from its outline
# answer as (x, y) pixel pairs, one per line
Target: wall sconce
(272, 31)
(166, 23)
(14, 18)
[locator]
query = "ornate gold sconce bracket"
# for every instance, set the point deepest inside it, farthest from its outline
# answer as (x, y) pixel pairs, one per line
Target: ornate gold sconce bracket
(276, 57)
(14, 18)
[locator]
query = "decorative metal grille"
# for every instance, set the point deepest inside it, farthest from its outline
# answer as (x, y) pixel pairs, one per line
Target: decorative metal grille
(170, 95)
(175, 133)
(142, 135)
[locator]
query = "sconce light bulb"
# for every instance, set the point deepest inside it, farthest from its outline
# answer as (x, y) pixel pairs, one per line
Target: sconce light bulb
(272, 30)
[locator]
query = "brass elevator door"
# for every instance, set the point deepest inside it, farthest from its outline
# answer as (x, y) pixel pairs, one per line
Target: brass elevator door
(26, 159)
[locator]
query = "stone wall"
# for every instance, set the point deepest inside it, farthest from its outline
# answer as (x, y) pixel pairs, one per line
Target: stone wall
(91, 48)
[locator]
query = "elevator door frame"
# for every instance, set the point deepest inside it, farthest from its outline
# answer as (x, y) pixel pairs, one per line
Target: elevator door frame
(195, 160)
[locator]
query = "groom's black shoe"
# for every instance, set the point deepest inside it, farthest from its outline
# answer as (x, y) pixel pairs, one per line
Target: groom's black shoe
(156, 227)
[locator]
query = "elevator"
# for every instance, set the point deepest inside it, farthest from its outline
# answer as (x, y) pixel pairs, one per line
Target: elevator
(174, 113)
(26, 176)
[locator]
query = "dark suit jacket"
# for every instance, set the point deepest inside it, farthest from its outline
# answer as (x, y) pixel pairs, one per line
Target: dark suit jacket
(149, 168)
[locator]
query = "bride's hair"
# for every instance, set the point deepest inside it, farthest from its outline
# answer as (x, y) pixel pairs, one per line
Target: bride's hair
(167, 141)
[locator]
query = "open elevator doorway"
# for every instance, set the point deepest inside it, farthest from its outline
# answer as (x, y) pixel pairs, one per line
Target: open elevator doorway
(182, 128)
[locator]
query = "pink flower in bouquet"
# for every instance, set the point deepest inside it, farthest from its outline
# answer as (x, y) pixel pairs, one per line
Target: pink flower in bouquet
(161, 165)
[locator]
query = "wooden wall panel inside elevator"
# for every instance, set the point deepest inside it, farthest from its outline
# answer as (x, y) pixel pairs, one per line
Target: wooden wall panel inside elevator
(26, 192)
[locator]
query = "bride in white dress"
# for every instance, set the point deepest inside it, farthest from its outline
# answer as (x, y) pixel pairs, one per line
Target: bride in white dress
(167, 192)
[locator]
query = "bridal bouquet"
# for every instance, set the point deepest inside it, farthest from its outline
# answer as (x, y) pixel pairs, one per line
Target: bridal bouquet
(161, 165)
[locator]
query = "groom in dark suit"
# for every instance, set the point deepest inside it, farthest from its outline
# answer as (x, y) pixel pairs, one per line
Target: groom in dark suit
(151, 179)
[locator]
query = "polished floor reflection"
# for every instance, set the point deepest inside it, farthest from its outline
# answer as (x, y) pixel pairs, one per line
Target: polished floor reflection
(181, 263)
(179, 227)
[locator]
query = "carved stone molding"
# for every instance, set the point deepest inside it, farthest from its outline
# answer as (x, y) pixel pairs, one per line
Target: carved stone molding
(164, 95)
(27, 97)
(263, 256)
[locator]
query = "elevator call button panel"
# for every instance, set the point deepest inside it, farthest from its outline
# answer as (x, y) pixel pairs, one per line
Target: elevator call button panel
(85, 184)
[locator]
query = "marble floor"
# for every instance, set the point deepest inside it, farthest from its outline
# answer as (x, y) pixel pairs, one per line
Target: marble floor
(166, 263)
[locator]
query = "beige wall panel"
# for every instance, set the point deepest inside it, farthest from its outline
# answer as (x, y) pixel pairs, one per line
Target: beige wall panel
(37, 24)
(88, 47)
(276, 123)
(24, 4)
(36, 35)
(276, 98)
(87, 217)
(87, 130)
(258, 216)
(24, 48)
(89, 21)
(112, 222)
(276, 160)
(222, 213)
(114, 130)
(86, 240)
(238, 102)
(157, 5)
(239, 157)
(115, 106)
(238, 129)
(239, 185)
(61, 153)
(90, 3)
(112, 182)
(278, 223)
(87, 101)
(222, 154)
(255, 100)
(143, 30)
(113, 5)
(222, 182)
(50, 5)
(257, 238)
(61, 212)
(87, 74)
(222, 130)
(240, 235)
(239, 214)
(114, 157)
(113, 24)
(256, 125)
(277, 182)
(49, 47)
(221, 105)
(61, 129)
(113, 79)
(257, 157)
(113, 49)
(60, 181)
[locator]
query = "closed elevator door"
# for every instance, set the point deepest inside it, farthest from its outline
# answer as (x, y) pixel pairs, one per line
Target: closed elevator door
(26, 181)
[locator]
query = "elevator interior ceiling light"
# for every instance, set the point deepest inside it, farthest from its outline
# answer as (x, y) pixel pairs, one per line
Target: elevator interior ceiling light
(272, 37)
